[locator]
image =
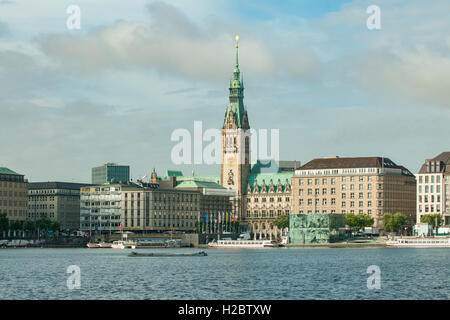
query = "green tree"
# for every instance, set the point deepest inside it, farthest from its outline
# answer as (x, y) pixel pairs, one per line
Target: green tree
(359, 221)
(394, 222)
(16, 225)
(55, 226)
(282, 221)
(44, 224)
(29, 226)
(4, 222)
(434, 219)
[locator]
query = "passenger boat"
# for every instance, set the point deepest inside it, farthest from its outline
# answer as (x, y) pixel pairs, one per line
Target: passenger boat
(93, 245)
(243, 244)
(420, 242)
(164, 254)
(120, 244)
(105, 244)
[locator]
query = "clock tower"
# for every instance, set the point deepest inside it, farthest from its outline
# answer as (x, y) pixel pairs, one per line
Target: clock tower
(235, 165)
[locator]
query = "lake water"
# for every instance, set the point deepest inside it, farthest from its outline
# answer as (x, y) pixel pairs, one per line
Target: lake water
(282, 273)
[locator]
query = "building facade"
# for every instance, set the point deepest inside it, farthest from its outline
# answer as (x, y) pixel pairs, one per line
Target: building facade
(150, 207)
(110, 172)
(267, 197)
(58, 201)
(13, 195)
(366, 185)
(433, 188)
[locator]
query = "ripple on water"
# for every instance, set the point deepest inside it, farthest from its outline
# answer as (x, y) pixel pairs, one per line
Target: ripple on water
(226, 274)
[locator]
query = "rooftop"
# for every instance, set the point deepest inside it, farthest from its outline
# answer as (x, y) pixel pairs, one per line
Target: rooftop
(443, 159)
(56, 185)
(4, 170)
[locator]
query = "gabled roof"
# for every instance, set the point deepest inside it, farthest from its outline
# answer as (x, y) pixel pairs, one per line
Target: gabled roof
(259, 179)
(442, 158)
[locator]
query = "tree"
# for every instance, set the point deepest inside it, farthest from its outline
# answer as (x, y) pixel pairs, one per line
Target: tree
(282, 221)
(434, 219)
(15, 225)
(55, 226)
(4, 223)
(394, 222)
(29, 226)
(44, 224)
(358, 222)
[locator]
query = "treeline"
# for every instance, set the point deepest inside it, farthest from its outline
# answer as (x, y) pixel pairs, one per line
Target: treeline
(31, 228)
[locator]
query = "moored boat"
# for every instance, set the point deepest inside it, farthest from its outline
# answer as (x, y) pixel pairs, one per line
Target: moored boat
(92, 245)
(165, 254)
(105, 245)
(420, 242)
(248, 244)
(120, 244)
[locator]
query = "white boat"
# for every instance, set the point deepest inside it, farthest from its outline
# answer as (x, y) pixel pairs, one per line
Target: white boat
(105, 244)
(420, 242)
(243, 244)
(93, 245)
(120, 244)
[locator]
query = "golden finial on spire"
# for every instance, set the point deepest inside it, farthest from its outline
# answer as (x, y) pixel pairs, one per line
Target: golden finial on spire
(237, 41)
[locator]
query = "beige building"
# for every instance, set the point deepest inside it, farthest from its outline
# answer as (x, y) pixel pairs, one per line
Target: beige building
(365, 185)
(142, 207)
(267, 197)
(13, 195)
(433, 187)
(58, 201)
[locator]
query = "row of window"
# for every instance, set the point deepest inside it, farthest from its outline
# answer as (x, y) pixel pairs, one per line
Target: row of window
(425, 198)
(430, 208)
(369, 212)
(317, 181)
(13, 203)
(265, 213)
(271, 199)
(325, 202)
(429, 178)
(10, 193)
(430, 189)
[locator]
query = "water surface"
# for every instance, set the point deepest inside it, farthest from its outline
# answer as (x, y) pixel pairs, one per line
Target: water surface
(282, 273)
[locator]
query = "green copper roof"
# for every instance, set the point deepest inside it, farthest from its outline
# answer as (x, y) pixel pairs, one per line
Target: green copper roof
(174, 173)
(212, 178)
(259, 179)
(236, 108)
(4, 170)
(194, 183)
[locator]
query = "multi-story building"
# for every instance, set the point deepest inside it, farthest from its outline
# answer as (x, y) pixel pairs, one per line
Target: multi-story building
(268, 196)
(365, 185)
(110, 172)
(13, 195)
(151, 207)
(58, 201)
(433, 187)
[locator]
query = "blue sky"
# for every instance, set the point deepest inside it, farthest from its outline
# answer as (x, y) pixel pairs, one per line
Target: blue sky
(115, 90)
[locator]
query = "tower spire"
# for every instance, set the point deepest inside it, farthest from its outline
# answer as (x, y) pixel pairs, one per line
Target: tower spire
(237, 51)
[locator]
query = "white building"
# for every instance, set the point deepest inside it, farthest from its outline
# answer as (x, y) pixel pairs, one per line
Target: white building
(433, 188)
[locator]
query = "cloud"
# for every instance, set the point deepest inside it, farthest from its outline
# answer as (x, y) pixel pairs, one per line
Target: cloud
(4, 29)
(173, 45)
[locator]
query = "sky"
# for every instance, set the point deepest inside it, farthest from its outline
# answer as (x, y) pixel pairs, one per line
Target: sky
(136, 71)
